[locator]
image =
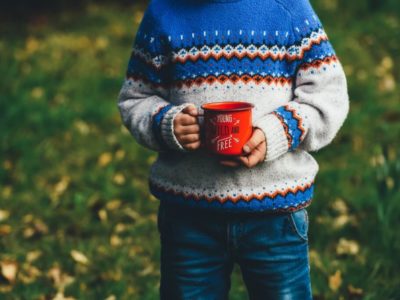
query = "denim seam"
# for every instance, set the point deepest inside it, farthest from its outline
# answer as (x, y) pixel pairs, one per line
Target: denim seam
(296, 230)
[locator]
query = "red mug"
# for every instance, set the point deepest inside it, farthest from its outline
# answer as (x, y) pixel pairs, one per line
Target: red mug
(227, 126)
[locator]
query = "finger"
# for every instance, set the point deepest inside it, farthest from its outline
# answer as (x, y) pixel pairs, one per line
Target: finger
(255, 157)
(185, 119)
(191, 110)
(192, 146)
(190, 138)
(257, 138)
(229, 163)
(188, 129)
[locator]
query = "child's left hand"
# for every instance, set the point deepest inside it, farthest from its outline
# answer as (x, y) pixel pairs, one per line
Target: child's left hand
(255, 148)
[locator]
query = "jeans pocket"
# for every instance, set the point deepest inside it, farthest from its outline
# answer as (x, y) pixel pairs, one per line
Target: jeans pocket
(299, 223)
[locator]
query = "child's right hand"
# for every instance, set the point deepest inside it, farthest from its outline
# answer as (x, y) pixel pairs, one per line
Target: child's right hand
(187, 128)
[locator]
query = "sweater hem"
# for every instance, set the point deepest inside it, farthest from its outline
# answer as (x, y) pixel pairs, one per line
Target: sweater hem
(281, 201)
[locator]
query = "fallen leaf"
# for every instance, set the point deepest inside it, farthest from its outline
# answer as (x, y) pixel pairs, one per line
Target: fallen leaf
(340, 206)
(349, 247)
(4, 214)
(33, 255)
(119, 178)
(120, 227)
(115, 240)
(60, 279)
(102, 213)
(28, 273)
(5, 229)
(335, 281)
(28, 232)
(354, 291)
(148, 270)
(79, 257)
(113, 204)
(132, 214)
(104, 159)
(37, 92)
(120, 154)
(9, 270)
(62, 185)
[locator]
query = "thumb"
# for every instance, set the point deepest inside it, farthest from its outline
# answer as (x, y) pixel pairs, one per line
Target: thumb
(257, 138)
(191, 109)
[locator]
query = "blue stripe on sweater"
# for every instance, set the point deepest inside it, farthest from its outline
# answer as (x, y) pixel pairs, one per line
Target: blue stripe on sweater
(156, 124)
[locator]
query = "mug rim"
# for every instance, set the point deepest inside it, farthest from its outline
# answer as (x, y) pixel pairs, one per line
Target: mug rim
(243, 106)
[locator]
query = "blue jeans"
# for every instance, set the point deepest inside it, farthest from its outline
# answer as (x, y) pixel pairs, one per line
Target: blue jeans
(199, 249)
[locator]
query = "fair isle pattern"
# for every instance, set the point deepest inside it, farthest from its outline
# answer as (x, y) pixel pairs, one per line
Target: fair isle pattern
(233, 78)
(252, 51)
(318, 63)
(250, 56)
(293, 125)
(156, 62)
(286, 200)
(211, 79)
(156, 123)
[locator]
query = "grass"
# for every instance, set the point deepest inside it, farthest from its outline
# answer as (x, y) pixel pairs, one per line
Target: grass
(76, 217)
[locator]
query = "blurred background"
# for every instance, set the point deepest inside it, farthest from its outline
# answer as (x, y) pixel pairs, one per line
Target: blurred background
(76, 217)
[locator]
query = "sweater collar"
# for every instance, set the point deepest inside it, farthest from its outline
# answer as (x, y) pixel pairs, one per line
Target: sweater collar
(223, 1)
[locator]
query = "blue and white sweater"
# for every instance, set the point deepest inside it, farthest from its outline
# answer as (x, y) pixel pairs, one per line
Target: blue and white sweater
(272, 53)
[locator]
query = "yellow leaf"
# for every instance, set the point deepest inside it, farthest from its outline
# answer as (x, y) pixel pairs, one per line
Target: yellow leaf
(7, 165)
(354, 291)
(32, 45)
(102, 215)
(62, 185)
(5, 229)
(33, 255)
(120, 154)
(6, 191)
(60, 279)
(115, 240)
(113, 204)
(28, 273)
(82, 127)
(335, 281)
(340, 206)
(37, 92)
(4, 214)
(104, 159)
(138, 16)
(9, 270)
(349, 247)
(79, 257)
(148, 270)
(101, 43)
(120, 228)
(119, 178)
(28, 232)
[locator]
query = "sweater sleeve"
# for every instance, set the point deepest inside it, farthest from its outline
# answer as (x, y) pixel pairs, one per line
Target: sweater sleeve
(143, 99)
(320, 104)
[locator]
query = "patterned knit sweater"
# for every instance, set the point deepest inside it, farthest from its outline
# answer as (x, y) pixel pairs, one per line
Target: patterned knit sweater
(272, 53)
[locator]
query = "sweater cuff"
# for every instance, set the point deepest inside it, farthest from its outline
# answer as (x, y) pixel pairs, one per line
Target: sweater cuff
(275, 136)
(167, 128)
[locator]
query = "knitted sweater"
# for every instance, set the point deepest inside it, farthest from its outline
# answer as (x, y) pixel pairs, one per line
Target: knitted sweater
(272, 53)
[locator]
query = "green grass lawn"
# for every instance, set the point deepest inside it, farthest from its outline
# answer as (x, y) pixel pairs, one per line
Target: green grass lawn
(76, 217)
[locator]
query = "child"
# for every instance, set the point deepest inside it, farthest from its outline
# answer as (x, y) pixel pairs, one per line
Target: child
(251, 209)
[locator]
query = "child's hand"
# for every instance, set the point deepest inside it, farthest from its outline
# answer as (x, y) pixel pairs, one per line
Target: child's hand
(187, 129)
(255, 148)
